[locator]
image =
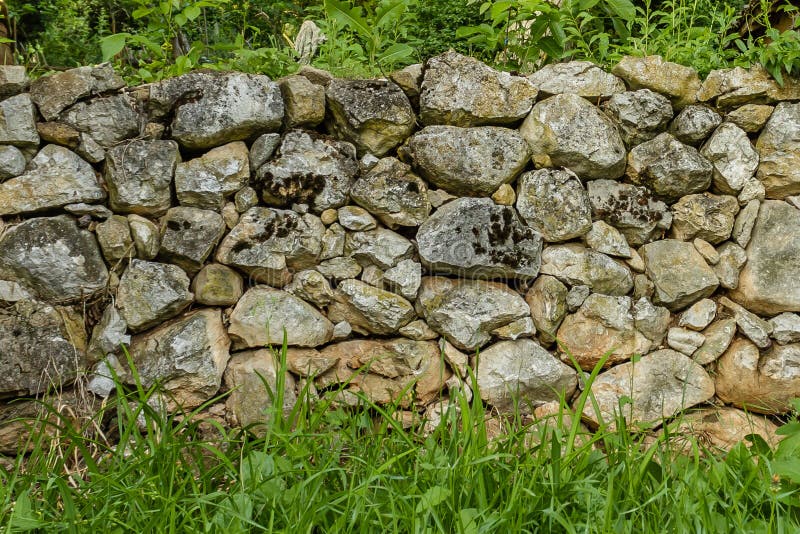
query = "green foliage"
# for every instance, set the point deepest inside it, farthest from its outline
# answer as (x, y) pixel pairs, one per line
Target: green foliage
(778, 52)
(437, 22)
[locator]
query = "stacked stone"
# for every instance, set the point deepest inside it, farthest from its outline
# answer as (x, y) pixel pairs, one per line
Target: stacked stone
(400, 235)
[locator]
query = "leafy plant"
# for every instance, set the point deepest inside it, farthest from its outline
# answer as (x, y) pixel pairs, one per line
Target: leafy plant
(777, 51)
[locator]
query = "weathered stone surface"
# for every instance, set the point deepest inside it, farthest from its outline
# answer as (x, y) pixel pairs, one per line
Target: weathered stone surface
(206, 182)
(505, 195)
(210, 108)
(603, 324)
(54, 259)
(462, 91)
(577, 77)
(263, 314)
(640, 115)
(409, 79)
(677, 82)
(521, 328)
(767, 283)
(475, 237)
(721, 429)
(311, 169)
(760, 383)
(247, 376)
(629, 209)
(573, 133)
(745, 222)
(575, 264)
(268, 243)
(304, 102)
(751, 117)
(12, 162)
(187, 356)
(576, 296)
(734, 87)
(733, 156)
(752, 190)
(380, 247)
(355, 218)
(786, 328)
(308, 362)
(718, 338)
(368, 309)
(651, 321)
(778, 148)
(138, 175)
(56, 177)
(114, 236)
(13, 80)
(606, 239)
(333, 241)
(466, 311)
(699, 315)
(706, 250)
(669, 168)
(404, 278)
(439, 197)
(709, 217)
(467, 161)
(418, 330)
(750, 325)
(108, 336)
(554, 203)
(393, 193)
(694, 124)
(146, 236)
(680, 274)
(262, 149)
(375, 115)
(310, 285)
(108, 121)
(53, 94)
(150, 293)
(732, 258)
(339, 268)
(547, 299)
(41, 346)
(660, 385)
(18, 122)
(189, 235)
(517, 376)
(684, 340)
(217, 285)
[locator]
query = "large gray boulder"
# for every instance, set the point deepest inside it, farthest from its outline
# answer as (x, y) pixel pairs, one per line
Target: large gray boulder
(680, 274)
(150, 293)
(206, 182)
(368, 309)
(56, 92)
(392, 193)
(677, 82)
(778, 148)
(630, 209)
(581, 78)
(139, 175)
(474, 237)
(107, 120)
(554, 203)
(705, 216)
(640, 115)
(18, 122)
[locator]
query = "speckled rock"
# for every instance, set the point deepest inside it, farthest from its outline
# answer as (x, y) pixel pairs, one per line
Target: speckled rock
(750, 325)
(547, 299)
(404, 278)
(263, 149)
(56, 92)
(640, 115)
(786, 328)
(304, 102)
(732, 258)
(139, 174)
(554, 203)
(629, 209)
(108, 121)
(575, 264)
(150, 293)
(606, 239)
(355, 218)
(12, 162)
(311, 286)
(577, 77)
(751, 117)
(189, 235)
(206, 182)
(694, 124)
(652, 321)
(392, 193)
(380, 247)
(677, 82)
(699, 315)
(709, 217)
(18, 122)
(778, 148)
(680, 274)
(368, 309)
(734, 87)
(114, 237)
(733, 156)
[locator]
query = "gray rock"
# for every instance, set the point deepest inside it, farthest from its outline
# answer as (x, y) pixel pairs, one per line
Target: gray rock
(462, 91)
(570, 132)
(146, 237)
(394, 194)
(642, 286)
(56, 177)
(210, 108)
(95, 211)
(18, 122)
(418, 330)
(380, 247)
(356, 218)
(576, 296)
(743, 226)
(268, 244)
(311, 169)
(264, 315)
(150, 293)
(786, 328)
(114, 236)
(475, 237)
(750, 325)
(186, 357)
(629, 209)
(375, 115)
(189, 235)
(753, 190)
(677, 82)
(342, 330)
(751, 117)
(737, 86)
(247, 376)
(733, 156)
(304, 102)
(12, 162)
(521, 328)
(13, 80)
(732, 258)
(581, 78)
(11, 292)
(245, 198)
(410, 81)
(517, 376)
(101, 382)
(56, 92)
(651, 321)
(217, 285)
(439, 197)
(108, 335)
(340, 268)
(466, 311)
(311, 286)
(669, 168)
(333, 241)
(574, 264)
(373, 276)
(680, 274)
(718, 338)
(706, 250)
(640, 115)
(467, 161)
(107, 120)
(262, 149)
(547, 299)
(606, 239)
(694, 124)
(370, 310)
(554, 203)
(709, 217)
(778, 149)
(404, 278)
(685, 341)
(229, 215)
(139, 174)
(699, 315)
(206, 182)
(54, 259)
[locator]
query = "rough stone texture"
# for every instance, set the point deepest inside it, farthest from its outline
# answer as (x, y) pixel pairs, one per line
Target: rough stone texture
(247, 376)
(640, 115)
(114, 237)
(680, 84)
(189, 235)
(375, 115)
(629, 209)
(40, 346)
(680, 274)
(505, 195)
(778, 148)
(733, 156)
(206, 182)
(760, 383)
(210, 108)
(467, 161)
(404, 278)
(730, 88)
(217, 285)
(339, 268)
(751, 117)
(150, 293)
(311, 169)
(466, 311)
(694, 124)
(577, 77)
(139, 174)
(392, 193)
(187, 356)
(304, 102)
(718, 338)
(12, 162)
(547, 299)
(660, 385)
(745, 221)
(685, 341)
(709, 217)
(651, 321)
(368, 309)
(55, 177)
(750, 325)
(573, 133)
(574, 264)
(606, 239)
(474, 237)
(18, 122)
(410, 81)
(146, 237)
(53, 94)
(786, 328)
(732, 258)
(108, 335)
(262, 149)
(603, 325)
(263, 314)
(380, 247)
(310, 285)
(554, 203)
(54, 259)
(107, 121)
(13, 80)
(767, 283)
(268, 243)
(356, 219)
(522, 375)
(721, 429)
(669, 168)
(699, 315)
(462, 91)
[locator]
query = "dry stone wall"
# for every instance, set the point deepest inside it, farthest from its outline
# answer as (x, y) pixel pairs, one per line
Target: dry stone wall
(391, 229)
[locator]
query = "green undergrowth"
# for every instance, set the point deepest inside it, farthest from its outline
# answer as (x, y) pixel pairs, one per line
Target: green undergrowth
(322, 468)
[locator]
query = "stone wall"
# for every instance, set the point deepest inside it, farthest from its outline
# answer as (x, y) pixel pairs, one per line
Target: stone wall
(397, 227)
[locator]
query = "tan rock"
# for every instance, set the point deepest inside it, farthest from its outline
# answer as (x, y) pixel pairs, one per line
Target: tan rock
(680, 84)
(251, 377)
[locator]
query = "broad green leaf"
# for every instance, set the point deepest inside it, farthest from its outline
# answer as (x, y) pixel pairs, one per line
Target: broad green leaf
(142, 12)
(349, 16)
(432, 498)
(388, 13)
(180, 19)
(113, 44)
(192, 12)
(622, 8)
(395, 53)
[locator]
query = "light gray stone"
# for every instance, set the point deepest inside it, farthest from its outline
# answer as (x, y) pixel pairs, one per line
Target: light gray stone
(786, 328)
(418, 330)
(108, 121)
(146, 236)
(108, 335)
(606, 239)
(370, 310)
(18, 122)
(262, 149)
(732, 258)
(743, 226)
(709, 217)
(12, 162)
(778, 148)
(718, 338)
(680, 274)
(380, 247)
(582, 78)
(575, 264)
(652, 321)
(206, 182)
(685, 341)
(139, 174)
(189, 235)
(694, 124)
(392, 193)
(13, 80)
(248, 375)
(521, 328)
(356, 218)
(150, 293)
(699, 315)
(56, 92)
(640, 115)
(404, 278)
(96, 211)
(333, 241)
(750, 325)
(576, 296)
(311, 286)
(733, 156)
(554, 203)
(114, 236)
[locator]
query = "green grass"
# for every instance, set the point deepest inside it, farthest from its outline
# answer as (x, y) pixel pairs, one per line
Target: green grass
(328, 469)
